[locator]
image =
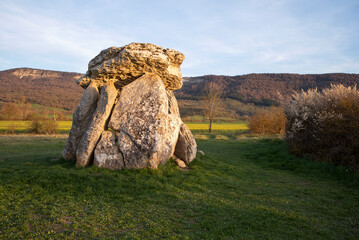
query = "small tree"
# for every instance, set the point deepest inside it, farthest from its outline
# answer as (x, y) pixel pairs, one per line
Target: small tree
(25, 108)
(213, 101)
(271, 122)
(40, 125)
(10, 111)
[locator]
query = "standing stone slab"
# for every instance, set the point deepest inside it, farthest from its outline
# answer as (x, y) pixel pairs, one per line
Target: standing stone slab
(84, 154)
(172, 103)
(169, 135)
(147, 133)
(107, 154)
(186, 147)
(81, 118)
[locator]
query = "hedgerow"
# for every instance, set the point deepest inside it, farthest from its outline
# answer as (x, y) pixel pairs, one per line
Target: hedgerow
(325, 125)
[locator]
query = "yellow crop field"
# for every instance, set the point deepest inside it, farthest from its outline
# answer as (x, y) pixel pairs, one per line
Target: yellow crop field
(21, 125)
(66, 125)
(13, 124)
(218, 126)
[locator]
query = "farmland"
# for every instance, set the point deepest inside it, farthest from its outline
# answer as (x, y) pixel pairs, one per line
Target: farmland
(243, 188)
(22, 125)
(64, 126)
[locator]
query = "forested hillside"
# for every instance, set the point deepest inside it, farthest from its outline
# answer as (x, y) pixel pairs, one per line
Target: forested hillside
(48, 88)
(264, 89)
(244, 93)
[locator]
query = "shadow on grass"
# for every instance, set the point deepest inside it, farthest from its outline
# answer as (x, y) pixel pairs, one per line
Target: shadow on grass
(271, 152)
(245, 189)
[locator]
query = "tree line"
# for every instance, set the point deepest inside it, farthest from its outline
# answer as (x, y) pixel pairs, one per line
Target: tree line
(22, 110)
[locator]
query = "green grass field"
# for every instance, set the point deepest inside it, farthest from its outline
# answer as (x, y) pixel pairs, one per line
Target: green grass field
(241, 189)
(64, 126)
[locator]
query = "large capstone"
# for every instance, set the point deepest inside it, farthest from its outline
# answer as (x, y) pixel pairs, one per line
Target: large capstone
(123, 65)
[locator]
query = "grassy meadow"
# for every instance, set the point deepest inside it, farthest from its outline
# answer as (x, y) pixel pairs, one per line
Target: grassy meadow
(243, 188)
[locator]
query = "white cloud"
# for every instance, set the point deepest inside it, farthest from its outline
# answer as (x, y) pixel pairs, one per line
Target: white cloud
(229, 37)
(28, 33)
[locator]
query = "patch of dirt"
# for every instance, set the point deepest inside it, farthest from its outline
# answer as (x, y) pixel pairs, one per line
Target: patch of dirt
(200, 136)
(186, 169)
(66, 220)
(221, 137)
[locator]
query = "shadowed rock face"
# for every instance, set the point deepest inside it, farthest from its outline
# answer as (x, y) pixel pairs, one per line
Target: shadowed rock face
(81, 119)
(84, 154)
(107, 154)
(172, 104)
(123, 65)
(186, 147)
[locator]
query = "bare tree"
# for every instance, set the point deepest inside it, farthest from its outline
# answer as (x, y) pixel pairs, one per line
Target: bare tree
(25, 108)
(10, 111)
(213, 101)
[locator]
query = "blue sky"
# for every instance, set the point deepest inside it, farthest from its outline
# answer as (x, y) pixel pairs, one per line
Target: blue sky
(217, 37)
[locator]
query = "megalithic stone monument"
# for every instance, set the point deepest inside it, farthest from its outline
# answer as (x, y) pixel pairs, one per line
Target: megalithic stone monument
(128, 116)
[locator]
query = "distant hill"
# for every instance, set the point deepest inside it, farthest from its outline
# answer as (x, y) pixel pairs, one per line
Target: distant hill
(48, 88)
(243, 92)
(263, 89)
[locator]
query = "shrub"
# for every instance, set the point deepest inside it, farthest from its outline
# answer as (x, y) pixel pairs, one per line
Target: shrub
(50, 126)
(11, 129)
(268, 122)
(325, 125)
(40, 125)
(10, 111)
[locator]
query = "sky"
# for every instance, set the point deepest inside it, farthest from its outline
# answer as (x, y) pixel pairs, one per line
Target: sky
(217, 37)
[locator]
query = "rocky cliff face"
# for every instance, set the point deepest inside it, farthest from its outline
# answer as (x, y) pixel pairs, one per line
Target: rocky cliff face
(38, 73)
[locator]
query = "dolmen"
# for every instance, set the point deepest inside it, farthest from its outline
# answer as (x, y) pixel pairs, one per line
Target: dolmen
(128, 116)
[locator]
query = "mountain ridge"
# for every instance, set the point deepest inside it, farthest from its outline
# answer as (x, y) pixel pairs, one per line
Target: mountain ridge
(258, 87)
(45, 87)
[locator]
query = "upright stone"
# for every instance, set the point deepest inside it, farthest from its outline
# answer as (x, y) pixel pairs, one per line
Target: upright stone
(84, 154)
(81, 118)
(147, 133)
(186, 147)
(169, 137)
(172, 104)
(107, 154)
